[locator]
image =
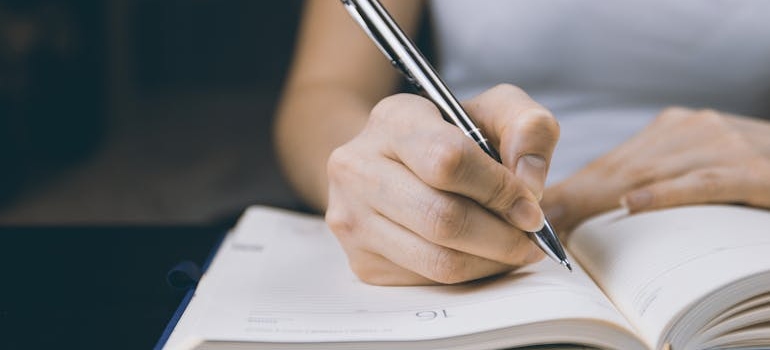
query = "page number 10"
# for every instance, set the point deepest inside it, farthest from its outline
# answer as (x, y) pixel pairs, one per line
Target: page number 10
(431, 314)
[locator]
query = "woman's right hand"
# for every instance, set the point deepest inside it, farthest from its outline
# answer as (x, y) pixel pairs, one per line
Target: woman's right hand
(413, 200)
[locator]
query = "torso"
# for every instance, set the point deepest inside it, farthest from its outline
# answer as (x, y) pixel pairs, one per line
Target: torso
(606, 68)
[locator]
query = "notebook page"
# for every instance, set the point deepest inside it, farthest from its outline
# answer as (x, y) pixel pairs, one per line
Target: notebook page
(282, 276)
(655, 265)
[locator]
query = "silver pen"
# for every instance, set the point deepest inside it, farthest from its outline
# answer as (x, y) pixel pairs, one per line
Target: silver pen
(404, 55)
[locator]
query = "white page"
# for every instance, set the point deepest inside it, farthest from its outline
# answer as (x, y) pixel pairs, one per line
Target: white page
(274, 256)
(655, 265)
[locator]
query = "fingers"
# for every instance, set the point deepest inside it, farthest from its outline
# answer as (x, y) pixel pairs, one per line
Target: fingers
(445, 159)
(457, 165)
(346, 218)
(709, 185)
(438, 216)
(412, 199)
(450, 220)
(684, 157)
(375, 269)
(525, 131)
(409, 259)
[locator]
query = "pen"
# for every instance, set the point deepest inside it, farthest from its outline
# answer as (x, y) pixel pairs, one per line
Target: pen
(404, 55)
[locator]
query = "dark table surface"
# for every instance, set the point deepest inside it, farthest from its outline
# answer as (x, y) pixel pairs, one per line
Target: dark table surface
(93, 287)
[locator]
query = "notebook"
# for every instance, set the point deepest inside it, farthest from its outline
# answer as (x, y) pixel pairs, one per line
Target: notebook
(693, 277)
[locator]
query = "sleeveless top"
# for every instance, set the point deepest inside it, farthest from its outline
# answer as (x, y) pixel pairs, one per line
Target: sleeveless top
(606, 68)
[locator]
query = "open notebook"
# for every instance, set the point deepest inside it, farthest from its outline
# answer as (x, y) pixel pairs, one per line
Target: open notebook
(686, 278)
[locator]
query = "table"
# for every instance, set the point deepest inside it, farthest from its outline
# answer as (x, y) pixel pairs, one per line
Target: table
(93, 287)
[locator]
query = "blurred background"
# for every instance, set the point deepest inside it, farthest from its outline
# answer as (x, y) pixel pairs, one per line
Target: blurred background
(140, 112)
(133, 133)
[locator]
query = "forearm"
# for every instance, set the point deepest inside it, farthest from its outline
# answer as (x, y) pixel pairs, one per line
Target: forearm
(336, 77)
(311, 123)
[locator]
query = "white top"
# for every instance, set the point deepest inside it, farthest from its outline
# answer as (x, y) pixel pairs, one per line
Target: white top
(605, 68)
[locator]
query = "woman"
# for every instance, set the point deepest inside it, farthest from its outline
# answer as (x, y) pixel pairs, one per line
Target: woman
(414, 201)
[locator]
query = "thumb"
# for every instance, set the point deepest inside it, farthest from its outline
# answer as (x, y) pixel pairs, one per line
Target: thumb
(525, 132)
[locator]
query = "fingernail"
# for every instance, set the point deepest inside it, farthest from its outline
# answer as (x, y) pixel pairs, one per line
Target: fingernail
(624, 203)
(637, 200)
(527, 214)
(530, 168)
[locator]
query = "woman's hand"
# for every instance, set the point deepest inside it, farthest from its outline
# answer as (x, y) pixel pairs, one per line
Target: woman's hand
(413, 200)
(684, 157)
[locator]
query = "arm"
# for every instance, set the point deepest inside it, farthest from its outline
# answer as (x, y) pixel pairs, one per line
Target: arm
(336, 78)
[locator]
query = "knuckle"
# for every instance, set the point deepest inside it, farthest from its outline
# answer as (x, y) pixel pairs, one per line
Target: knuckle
(672, 114)
(708, 115)
(347, 164)
(340, 221)
(695, 118)
(717, 122)
(447, 266)
(385, 110)
(503, 194)
(704, 118)
(401, 109)
(539, 122)
(366, 270)
(539, 117)
(366, 273)
(674, 111)
(341, 161)
(507, 89)
(449, 219)
(351, 170)
(710, 183)
(445, 162)
(641, 174)
(386, 105)
(516, 253)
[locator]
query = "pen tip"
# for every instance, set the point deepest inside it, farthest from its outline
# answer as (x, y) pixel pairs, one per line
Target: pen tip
(567, 265)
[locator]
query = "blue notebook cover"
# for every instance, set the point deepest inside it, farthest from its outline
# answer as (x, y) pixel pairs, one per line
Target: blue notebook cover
(188, 296)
